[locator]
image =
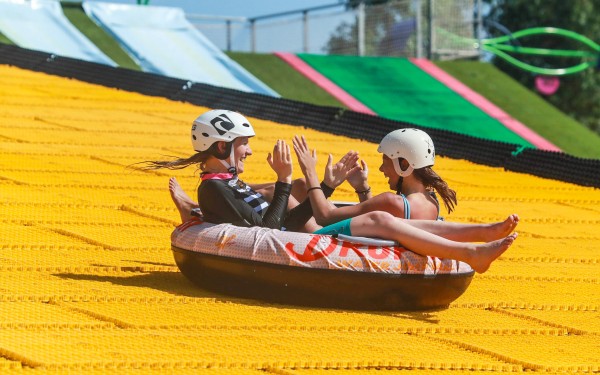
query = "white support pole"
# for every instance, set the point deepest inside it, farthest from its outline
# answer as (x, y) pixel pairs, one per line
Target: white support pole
(361, 29)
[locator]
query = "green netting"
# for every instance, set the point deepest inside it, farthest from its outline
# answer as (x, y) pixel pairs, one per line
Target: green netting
(397, 89)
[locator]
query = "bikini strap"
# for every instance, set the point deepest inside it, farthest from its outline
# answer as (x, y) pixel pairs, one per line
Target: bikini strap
(406, 207)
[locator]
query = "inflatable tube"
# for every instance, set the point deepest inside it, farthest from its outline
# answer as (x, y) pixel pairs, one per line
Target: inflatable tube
(314, 270)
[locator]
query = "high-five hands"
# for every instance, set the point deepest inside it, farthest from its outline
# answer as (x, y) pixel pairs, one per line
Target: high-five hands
(357, 177)
(281, 161)
(336, 174)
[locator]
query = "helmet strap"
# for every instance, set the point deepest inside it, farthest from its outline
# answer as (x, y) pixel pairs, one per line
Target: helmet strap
(399, 185)
(230, 163)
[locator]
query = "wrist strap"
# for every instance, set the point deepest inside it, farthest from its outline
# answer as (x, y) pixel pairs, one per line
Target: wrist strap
(363, 192)
(328, 191)
(313, 188)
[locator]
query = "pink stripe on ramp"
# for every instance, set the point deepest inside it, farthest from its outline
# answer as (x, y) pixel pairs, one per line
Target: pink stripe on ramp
(485, 105)
(324, 83)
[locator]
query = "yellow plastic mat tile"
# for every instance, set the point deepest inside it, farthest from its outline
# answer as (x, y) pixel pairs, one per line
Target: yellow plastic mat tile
(88, 283)
(575, 319)
(488, 289)
(559, 354)
(94, 283)
(35, 316)
(249, 315)
(6, 365)
(76, 258)
(255, 349)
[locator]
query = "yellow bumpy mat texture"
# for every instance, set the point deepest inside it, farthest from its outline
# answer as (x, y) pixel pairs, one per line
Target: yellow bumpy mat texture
(89, 284)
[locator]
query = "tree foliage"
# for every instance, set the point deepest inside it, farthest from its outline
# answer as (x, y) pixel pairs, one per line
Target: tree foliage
(579, 94)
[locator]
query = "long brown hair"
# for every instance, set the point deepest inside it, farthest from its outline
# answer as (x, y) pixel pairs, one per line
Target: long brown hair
(432, 180)
(198, 159)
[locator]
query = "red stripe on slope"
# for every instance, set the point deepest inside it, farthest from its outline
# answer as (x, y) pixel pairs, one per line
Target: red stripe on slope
(324, 83)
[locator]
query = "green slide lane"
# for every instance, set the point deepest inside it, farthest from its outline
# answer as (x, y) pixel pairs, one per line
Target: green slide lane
(397, 89)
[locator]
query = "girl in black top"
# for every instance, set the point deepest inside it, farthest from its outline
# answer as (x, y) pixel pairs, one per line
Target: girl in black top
(221, 140)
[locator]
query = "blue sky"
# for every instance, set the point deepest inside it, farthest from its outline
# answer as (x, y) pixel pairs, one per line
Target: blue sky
(269, 38)
(238, 8)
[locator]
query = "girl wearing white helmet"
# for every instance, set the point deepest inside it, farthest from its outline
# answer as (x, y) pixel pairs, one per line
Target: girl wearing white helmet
(221, 141)
(408, 155)
(426, 237)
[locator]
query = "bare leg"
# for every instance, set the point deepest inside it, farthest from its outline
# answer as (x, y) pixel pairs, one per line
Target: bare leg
(384, 225)
(182, 201)
(464, 232)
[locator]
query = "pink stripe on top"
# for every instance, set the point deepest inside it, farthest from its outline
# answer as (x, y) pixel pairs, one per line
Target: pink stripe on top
(323, 82)
(485, 105)
(216, 176)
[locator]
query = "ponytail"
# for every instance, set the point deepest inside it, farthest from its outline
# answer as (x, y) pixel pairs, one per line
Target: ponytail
(432, 180)
(198, 159)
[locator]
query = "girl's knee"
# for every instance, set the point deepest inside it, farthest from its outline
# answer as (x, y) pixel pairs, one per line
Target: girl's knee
(380, 218)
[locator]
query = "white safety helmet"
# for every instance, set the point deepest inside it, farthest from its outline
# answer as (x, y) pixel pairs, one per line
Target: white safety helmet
(414, 145)
(220, 125)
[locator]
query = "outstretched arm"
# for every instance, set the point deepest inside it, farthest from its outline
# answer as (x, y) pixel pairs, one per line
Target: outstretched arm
(323, 212)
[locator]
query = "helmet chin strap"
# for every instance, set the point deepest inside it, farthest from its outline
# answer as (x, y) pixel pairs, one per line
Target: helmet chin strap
(230, 163)
(399, 185)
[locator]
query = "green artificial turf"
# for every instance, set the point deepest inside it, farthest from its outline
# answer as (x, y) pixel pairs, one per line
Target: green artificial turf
(282, 78)
(106, 43)
(397, 89)
(526, 106)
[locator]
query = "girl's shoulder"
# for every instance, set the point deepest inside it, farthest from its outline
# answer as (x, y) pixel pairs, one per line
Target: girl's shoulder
(207, 186)
(423, 206)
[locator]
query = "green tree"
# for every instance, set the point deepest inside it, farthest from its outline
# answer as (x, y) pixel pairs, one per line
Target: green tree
(579, 94)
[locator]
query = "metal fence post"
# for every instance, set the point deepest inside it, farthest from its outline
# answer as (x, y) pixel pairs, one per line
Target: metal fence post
(430, 29)
(361, 29)
(305, 27)
(228, 22)
(253, 35)
(419, 28)
(479, 30)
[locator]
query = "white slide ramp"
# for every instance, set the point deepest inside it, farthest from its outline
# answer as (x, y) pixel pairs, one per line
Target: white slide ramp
(163, 41)
(42, 26)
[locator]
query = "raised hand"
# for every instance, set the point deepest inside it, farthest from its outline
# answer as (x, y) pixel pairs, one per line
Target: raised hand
(281, 161)
(357, 177)
(306, 158)
(336, 174)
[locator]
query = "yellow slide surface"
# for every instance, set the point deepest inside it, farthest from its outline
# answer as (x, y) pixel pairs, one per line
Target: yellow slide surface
(88, 282)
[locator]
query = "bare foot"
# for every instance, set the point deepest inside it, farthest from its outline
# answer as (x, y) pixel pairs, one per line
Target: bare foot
(182, 201)
(486, 253)
(501, 229)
